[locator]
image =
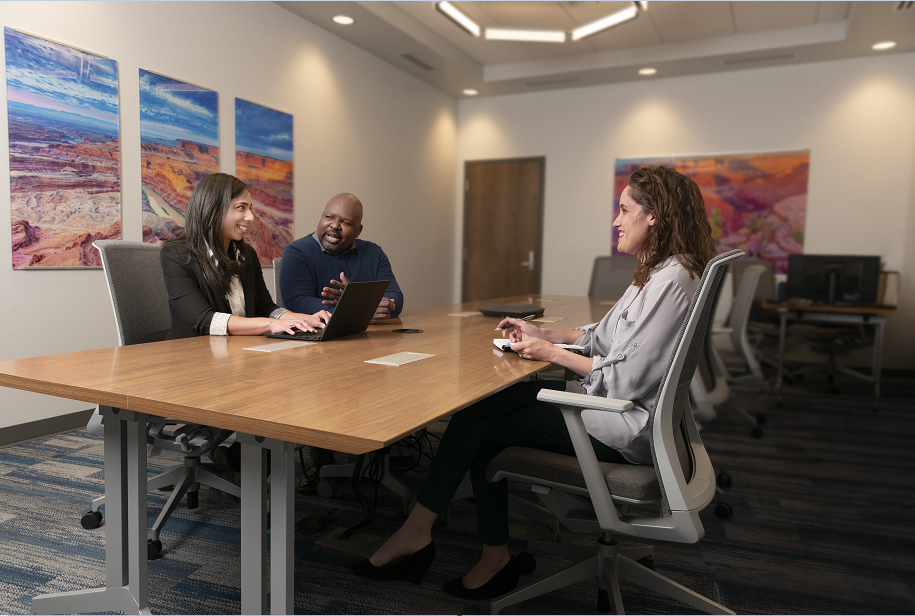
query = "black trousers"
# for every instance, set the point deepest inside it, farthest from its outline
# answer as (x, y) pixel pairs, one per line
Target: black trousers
(511, 418)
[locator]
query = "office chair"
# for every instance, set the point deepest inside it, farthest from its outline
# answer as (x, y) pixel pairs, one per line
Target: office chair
(736, 328)
(140, 302)
(833, 342)
(762, 325)
(611, 276)
(327, 487)
(595, 497)
(709, 386)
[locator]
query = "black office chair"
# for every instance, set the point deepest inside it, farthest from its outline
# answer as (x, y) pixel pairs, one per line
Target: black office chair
(611, 276)
(140, 302)
(595, 497)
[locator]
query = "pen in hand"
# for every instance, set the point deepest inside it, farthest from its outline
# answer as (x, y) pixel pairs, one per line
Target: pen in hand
(507, 325)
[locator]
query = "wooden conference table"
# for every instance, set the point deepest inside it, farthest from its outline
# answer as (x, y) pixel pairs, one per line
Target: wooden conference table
(322, 394)
(867, 316)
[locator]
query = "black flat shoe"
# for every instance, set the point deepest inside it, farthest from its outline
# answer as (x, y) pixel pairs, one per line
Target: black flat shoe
(410, 569)
(504, 581)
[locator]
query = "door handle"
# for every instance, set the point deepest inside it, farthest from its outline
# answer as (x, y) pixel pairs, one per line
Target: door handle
(529, 264)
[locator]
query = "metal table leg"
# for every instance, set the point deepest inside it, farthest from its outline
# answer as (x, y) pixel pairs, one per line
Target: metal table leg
(254, 453)
(125, 526)
(879, 326)
(782, 329)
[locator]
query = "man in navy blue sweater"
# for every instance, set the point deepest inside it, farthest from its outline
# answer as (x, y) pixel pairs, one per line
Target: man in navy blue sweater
(317, 267)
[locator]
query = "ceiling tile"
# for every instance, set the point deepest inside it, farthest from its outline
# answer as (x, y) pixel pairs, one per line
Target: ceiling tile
(759, 16)
(689, 21)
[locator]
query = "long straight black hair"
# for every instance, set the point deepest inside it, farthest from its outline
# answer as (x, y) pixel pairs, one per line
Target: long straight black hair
(206, 212)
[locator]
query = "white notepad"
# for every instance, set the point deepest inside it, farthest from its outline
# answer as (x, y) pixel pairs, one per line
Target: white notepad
(279, 346)
(472, 313)
(549, 319)
(398, 359)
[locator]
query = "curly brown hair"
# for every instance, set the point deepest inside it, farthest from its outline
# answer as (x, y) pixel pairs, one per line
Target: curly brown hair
(682, 228)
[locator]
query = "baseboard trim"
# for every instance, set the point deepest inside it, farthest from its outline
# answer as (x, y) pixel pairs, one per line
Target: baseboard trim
(41, 428)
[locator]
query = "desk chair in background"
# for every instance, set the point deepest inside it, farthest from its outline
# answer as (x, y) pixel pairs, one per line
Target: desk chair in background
(327, 487)
(595, 497)
(140, 302)
(611, 276)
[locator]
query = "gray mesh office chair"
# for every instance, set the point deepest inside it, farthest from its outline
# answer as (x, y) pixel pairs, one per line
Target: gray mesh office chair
(709, 386)
(737, 323)
(327, 487)
(595, 497)
(140, 302)
(611, 276)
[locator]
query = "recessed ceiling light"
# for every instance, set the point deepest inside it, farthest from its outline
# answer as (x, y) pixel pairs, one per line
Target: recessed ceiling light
(533, 36)
(458, 17)
(884, 45)
(470, 92)
(344, 20)
(647, 71)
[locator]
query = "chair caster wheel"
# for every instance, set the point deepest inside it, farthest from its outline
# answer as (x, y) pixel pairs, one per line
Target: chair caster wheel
(723, 511)
(756, 432)
(153, 548)
(760, 418)
(193, 500)
(724, 480)
(91, 520)
(327, 488)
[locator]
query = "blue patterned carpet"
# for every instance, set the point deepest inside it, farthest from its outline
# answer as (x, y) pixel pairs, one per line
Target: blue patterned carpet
(822, 524)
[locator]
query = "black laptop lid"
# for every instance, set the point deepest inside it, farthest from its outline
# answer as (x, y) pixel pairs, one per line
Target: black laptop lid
(354, 310)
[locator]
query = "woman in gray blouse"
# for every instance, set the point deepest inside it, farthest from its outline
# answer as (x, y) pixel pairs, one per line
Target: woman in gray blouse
(662, 221)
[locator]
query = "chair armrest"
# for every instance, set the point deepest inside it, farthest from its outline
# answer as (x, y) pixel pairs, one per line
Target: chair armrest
(584, 401)
(722, 330)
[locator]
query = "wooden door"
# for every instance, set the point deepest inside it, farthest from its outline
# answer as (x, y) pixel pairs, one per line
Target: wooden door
(503, 204)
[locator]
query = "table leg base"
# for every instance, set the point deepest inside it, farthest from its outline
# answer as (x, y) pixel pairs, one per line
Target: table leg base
(112, 599)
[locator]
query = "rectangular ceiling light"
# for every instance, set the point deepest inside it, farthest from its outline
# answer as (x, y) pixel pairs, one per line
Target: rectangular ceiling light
(607, 22)
(533, 36)
(458, 17)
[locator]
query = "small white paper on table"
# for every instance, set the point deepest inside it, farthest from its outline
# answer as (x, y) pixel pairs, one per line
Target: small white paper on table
(471, 313)
(280, 346)
(398, 359)
(549, 319)
(503, 344)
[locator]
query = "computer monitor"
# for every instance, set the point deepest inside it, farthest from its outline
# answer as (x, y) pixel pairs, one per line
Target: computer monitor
(832, 279)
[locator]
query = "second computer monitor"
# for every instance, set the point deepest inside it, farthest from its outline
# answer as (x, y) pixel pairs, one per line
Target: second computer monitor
(832, 279)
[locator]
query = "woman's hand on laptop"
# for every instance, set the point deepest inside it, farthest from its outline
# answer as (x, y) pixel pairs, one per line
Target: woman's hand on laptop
(332, 293)
(304, 322)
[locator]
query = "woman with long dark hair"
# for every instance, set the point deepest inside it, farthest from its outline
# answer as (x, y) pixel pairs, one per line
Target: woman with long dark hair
(214, 279)
(662, 221)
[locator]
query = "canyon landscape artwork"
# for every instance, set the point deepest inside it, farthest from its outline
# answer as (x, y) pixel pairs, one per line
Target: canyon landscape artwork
(179, 145)
(755, 202)
(263, 161)
(64, 152)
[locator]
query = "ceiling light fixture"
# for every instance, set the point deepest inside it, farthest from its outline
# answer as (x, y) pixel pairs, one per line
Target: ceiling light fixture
(533, 36)
(884, 45)
(607, 22)
(452, 13)
(643, 4)
(344, 20)
(470, 92)
(647, 71)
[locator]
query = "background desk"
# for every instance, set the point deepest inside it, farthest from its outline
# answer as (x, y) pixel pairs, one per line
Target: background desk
(323, 395)
(870, 316)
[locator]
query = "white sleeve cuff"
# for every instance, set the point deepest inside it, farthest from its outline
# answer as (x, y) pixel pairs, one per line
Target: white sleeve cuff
(219, 326)
(278, 313)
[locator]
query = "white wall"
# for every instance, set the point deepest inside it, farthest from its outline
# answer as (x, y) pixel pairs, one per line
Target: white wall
(360, 124)
(857, 117)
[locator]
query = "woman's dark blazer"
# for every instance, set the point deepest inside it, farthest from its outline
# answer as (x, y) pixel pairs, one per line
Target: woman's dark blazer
(192, 303)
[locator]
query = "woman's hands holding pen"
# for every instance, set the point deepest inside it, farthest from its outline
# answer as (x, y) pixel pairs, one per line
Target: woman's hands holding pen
(517, 329)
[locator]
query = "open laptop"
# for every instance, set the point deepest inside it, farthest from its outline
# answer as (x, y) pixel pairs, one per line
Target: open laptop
(354, 311)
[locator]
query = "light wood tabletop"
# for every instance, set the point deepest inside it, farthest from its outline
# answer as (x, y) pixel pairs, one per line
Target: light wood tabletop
(322, 394)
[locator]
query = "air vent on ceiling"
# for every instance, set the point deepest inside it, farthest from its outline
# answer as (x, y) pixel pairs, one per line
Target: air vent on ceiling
(416, 61)
(905, 5)
(552, 82)
(757, 59)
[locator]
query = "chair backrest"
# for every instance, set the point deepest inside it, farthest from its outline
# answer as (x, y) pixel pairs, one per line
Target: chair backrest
(276, 282)
(740, 316)
(765, 288)
(611, 276)
(673, 429)
(137, 290)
